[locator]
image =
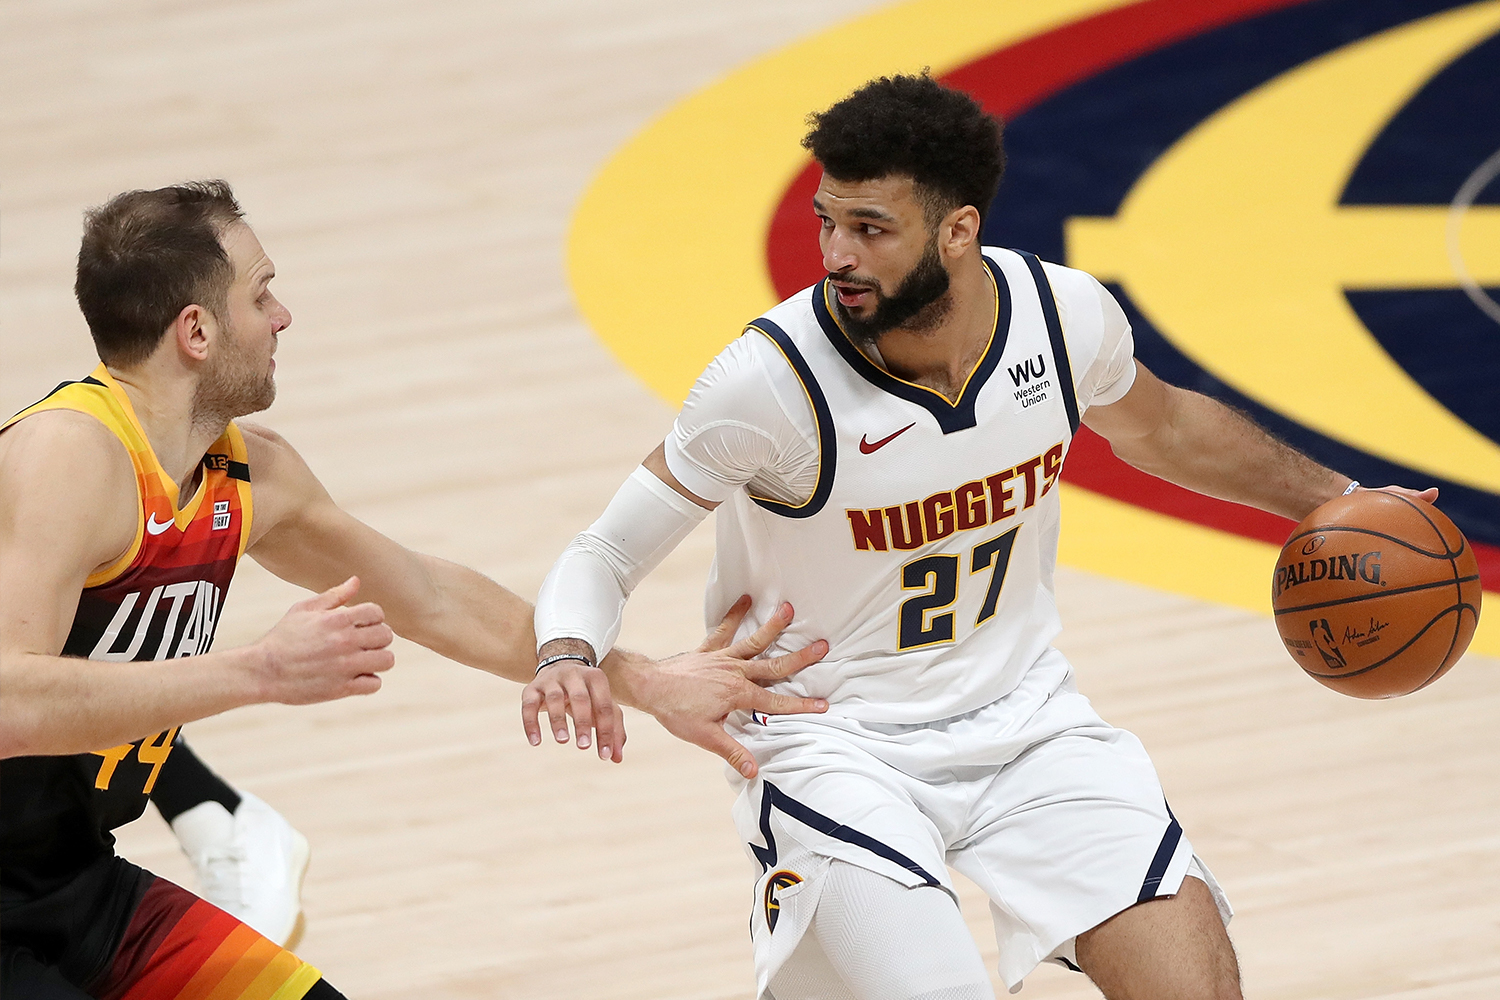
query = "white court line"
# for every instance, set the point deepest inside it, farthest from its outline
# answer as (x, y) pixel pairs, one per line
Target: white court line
(1462, 202)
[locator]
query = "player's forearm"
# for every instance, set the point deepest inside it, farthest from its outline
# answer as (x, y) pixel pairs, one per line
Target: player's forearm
(1207, 447)
(583, 597)
(469, 618)
(53, 705)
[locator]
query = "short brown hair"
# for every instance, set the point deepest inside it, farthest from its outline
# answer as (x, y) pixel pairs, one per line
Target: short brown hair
(146, 256)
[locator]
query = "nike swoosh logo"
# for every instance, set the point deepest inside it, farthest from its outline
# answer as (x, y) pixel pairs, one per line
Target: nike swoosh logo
(155, 529)
(869, 448)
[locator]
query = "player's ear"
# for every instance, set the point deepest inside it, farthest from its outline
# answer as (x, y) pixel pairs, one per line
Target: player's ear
(960, 230)
(189, 332)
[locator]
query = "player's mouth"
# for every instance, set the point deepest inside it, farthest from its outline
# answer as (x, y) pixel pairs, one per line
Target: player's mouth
(853, 296)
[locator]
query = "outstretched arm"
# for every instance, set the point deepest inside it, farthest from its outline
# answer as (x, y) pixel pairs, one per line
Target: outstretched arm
(67, 509)
(1199, 443)
(304, 537)
(578, 615)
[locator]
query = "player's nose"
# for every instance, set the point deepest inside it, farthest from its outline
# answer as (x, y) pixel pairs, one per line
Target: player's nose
(838, 254)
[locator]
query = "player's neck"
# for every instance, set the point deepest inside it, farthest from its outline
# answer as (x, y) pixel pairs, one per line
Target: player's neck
(163, 403)
(941, 352)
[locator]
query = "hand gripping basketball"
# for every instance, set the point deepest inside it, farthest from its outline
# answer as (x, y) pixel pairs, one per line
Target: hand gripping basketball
(1377, 593)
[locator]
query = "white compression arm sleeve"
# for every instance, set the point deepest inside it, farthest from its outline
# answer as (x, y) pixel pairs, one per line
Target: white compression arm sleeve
(584, 595)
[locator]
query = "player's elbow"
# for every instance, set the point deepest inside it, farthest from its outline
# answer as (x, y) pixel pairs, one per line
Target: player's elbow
(24, 725)
(21, 729)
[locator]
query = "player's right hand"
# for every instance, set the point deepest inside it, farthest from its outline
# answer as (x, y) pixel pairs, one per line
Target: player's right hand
(692, 694)
(323, 649)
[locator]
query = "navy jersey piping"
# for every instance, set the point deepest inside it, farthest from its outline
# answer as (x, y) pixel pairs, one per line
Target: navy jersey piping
(1164, 854)
(1055, 333)
(827, 440)
(950, 417)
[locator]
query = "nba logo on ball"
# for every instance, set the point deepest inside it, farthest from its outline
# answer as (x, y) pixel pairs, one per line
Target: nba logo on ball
(1376, 595)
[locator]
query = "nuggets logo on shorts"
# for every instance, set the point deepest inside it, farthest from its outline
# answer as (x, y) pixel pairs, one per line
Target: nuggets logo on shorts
(779, 880)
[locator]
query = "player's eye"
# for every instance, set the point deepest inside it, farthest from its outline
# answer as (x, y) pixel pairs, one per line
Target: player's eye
(871, 230)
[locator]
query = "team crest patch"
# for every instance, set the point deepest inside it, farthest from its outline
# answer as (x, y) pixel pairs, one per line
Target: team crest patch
(778, 881)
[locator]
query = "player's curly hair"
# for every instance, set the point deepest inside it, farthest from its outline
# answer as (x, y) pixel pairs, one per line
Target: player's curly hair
(146, 256)
(916, 127)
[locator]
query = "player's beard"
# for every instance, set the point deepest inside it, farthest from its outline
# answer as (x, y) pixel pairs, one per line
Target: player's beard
(233, 384)
(919, 303)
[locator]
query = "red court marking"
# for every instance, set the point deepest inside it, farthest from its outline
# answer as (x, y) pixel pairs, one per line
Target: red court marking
(1008, 82)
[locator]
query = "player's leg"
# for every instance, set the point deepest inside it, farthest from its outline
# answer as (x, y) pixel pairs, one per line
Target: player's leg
(1074, 832)
(248, 859)
(117, 932)
(177, 945)
(185, 782)
(1169, 948)
(873, 938)
(852, 901)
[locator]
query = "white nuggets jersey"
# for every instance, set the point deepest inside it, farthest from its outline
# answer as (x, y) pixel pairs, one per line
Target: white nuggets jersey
(925, 554)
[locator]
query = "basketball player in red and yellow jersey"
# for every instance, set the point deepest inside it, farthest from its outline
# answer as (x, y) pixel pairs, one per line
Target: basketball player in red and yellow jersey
(126, 500)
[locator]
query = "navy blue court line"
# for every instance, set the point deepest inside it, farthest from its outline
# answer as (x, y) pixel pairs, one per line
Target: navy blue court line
(1055, 334)
(1164, 852)
(771, 795)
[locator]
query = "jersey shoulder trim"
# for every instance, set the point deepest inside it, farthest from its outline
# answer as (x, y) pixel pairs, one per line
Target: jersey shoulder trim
(822, 416)
(95, 396)
(951, 416)
(1055, 334)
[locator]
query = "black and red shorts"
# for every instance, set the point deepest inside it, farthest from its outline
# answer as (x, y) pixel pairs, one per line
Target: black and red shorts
(117, 932)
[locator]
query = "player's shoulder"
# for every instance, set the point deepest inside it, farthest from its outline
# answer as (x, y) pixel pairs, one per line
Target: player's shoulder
(65, 446)
(273, 462)
(261, 440)
(1064, 280)
(68, 487)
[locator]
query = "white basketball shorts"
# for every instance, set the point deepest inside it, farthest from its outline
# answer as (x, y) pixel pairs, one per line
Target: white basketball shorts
(1058, 816)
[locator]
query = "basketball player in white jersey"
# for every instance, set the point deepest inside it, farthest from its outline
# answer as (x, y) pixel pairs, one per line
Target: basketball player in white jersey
(883, 450)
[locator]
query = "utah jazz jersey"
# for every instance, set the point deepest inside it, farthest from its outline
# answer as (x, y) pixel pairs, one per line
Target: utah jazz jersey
(161, 599)
(925, 554)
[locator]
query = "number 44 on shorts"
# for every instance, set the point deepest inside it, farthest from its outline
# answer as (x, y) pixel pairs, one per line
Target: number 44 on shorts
(153, 751)
(922, 620)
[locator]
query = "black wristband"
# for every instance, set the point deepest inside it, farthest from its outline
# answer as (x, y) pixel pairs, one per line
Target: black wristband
(563, 656)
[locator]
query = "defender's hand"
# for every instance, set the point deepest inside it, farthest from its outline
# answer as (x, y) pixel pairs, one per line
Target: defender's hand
(691, 694)
(569, 687)
(322, 649)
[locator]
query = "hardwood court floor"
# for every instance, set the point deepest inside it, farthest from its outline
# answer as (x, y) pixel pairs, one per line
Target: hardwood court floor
(411, 171)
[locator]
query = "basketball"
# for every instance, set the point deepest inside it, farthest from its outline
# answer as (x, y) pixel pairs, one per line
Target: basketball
(1376, 595)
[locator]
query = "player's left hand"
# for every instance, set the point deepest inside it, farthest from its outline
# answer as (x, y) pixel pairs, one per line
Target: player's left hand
(570, 687)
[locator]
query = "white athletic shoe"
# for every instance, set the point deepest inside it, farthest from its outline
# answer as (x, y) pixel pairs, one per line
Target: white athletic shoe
(250, 864)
